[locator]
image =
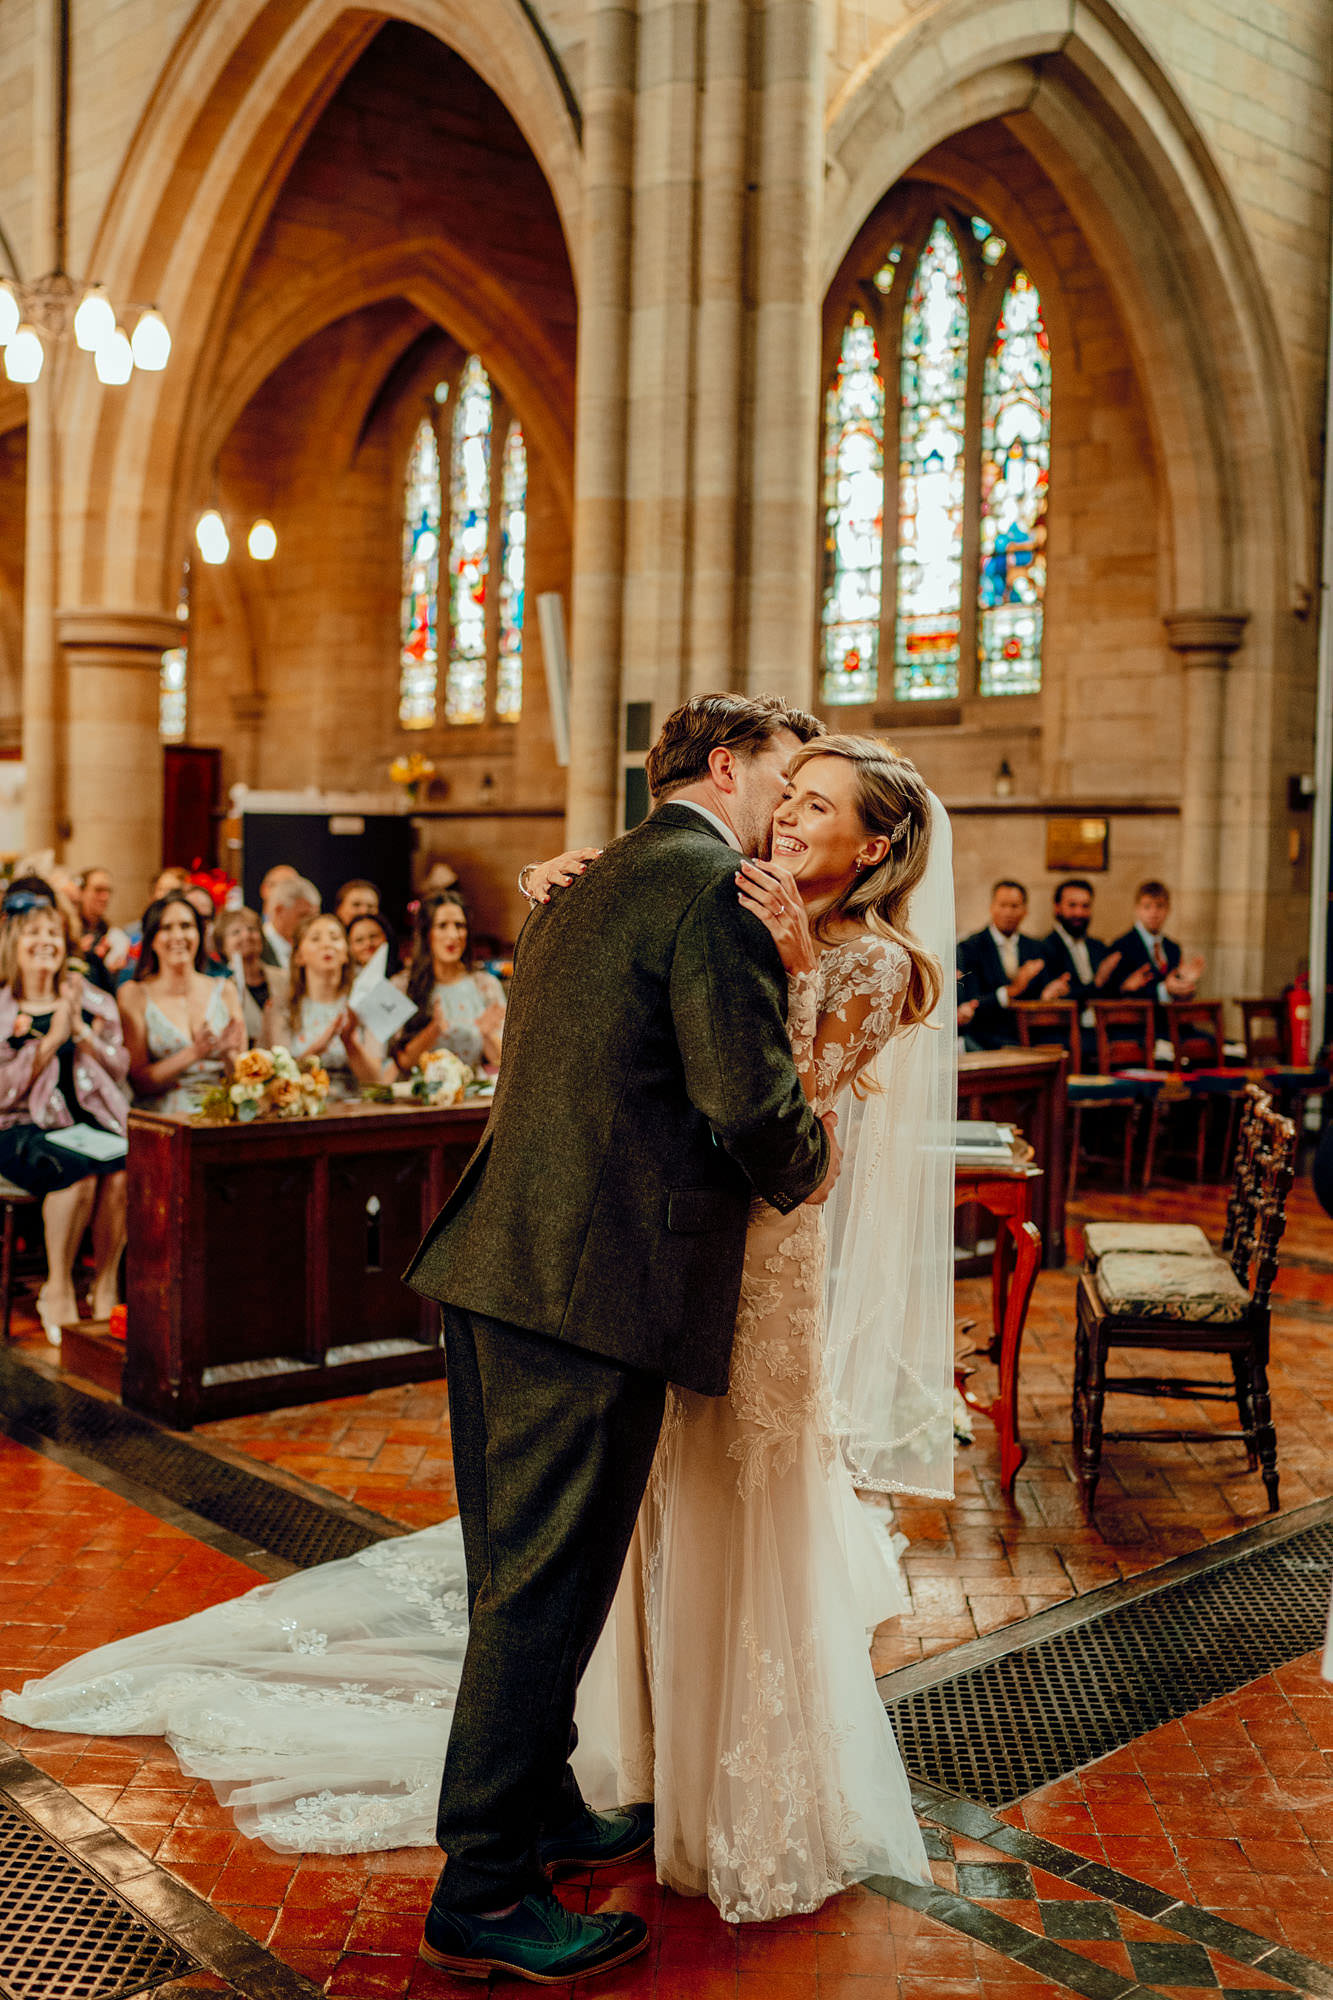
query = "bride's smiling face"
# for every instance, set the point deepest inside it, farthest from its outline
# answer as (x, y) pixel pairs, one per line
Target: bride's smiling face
(818, 831)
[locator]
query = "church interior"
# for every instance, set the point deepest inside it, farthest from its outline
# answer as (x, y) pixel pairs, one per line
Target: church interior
(403, 409)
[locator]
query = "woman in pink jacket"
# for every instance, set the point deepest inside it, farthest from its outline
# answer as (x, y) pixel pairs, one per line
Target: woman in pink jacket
(63, 1064)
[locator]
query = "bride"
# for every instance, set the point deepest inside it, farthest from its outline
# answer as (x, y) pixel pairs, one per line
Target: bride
(733, 1684)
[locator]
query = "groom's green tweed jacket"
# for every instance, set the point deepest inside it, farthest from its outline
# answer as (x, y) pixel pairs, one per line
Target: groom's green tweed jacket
(647, 1093)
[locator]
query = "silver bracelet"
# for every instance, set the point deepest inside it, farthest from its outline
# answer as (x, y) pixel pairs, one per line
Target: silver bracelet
(523, 875)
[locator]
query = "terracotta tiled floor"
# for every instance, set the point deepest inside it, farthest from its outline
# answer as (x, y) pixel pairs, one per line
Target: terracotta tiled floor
(1232, 1808)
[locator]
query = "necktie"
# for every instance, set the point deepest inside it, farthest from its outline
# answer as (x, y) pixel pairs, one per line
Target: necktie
(1159, 954)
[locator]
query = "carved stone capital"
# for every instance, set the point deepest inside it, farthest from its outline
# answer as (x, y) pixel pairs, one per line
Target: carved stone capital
(1205, 638)
(113, 638)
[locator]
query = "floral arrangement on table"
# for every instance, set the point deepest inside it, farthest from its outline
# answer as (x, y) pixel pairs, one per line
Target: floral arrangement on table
(266, 1083)
(441, 1079)
(413, 772)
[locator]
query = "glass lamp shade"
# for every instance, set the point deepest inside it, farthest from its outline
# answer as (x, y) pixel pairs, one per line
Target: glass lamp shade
(9, 313)
(113, 360)
(211, 538)
(263, 541)
(151, 345)
(24, 355)
(95, 321)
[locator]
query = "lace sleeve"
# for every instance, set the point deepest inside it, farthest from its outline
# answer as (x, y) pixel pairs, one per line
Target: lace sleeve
(802, 1023)
(864, 987)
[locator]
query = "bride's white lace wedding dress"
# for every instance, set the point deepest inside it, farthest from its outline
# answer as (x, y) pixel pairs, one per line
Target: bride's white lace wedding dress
(749, 1712)
(733, 1684)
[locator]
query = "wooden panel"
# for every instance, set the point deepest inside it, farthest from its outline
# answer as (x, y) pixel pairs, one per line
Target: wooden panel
(255, 1250)
(374, 1226)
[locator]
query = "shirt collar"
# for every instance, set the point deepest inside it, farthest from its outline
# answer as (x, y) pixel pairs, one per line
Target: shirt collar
(713, 820)
(1151, 938)
(1001, 940)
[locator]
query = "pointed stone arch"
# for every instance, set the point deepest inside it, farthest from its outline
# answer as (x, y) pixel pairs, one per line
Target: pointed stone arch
(233, 106)
(1082, 90)
(1087, 98)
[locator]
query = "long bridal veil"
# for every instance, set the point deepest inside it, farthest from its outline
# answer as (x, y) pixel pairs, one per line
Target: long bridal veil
(890, 1227)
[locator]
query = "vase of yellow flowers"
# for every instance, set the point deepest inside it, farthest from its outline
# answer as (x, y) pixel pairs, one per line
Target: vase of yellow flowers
(414, 774)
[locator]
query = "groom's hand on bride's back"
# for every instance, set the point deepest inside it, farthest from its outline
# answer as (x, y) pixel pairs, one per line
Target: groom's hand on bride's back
(829, 1120)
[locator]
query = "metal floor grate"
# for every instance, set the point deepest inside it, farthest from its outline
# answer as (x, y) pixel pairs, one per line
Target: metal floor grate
(268, 1515)
(65, 1933)
(999, 1730)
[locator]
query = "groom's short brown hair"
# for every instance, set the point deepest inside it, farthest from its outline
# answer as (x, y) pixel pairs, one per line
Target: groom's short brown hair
(708, 722)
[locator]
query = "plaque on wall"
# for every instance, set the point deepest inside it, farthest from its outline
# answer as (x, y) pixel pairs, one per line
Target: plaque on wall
(1077, 845)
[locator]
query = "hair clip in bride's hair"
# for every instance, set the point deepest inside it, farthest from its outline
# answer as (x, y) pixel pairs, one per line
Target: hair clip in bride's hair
(900, 832)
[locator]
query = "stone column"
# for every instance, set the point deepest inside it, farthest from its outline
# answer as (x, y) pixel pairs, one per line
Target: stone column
(601, 421)
(785, 364)
(1206, 642)
(113, 760)
(715, 649)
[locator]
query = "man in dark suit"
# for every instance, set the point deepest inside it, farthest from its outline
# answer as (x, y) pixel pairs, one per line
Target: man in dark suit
(590, 1254)
(1074, 958)
(1147, 962)
(999, 965)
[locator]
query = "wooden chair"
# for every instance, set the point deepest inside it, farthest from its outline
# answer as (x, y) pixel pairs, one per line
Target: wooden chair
(1042, 1023)
(1124, 1034)
(12, 1199)
(1263, 1032)
(1191, 1305)
(1055, 1024)
(1198, 1053)
(1186, 1239)
(1268, 1049)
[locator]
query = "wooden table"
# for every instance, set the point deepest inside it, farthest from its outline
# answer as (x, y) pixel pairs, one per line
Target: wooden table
(265, 1261)
(1026, 1087)
(1011, 1195)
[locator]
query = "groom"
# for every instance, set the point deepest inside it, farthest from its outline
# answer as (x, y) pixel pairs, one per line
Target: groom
(590, 1254)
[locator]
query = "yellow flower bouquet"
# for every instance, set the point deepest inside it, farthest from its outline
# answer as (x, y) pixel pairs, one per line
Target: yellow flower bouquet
(266, 1083)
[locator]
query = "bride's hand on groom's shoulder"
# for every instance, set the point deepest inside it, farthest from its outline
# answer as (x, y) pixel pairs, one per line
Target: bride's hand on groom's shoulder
(540, 877)
(770, 891)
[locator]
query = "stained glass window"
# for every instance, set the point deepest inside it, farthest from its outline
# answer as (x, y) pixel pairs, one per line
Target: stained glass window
(1015, 469)
(513, 555)
(171, 695)
(931, 452)
(469, 547)
(173, 678)
(853, 517)
(419, 656)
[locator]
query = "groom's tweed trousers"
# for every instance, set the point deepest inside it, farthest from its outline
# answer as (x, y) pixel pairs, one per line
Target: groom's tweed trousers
(550, 1463)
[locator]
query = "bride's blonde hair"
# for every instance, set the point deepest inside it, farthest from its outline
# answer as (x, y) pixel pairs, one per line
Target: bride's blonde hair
(892, 800)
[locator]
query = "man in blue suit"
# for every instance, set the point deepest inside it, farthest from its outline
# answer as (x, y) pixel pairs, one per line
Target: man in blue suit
(996, 966)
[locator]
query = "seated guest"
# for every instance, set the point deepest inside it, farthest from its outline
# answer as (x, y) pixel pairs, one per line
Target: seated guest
(457, 1008)
(98, 939)
(1146, 960)
(1074, 958)
(62, 1063)
(357, 898)
(365, 935)
(240, 939)
(180, 1025)
(998, 965)
(199, 900)
(314, 1018)
(291, 902)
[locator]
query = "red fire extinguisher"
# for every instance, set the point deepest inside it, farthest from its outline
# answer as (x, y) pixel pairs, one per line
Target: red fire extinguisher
(1298, 1021)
